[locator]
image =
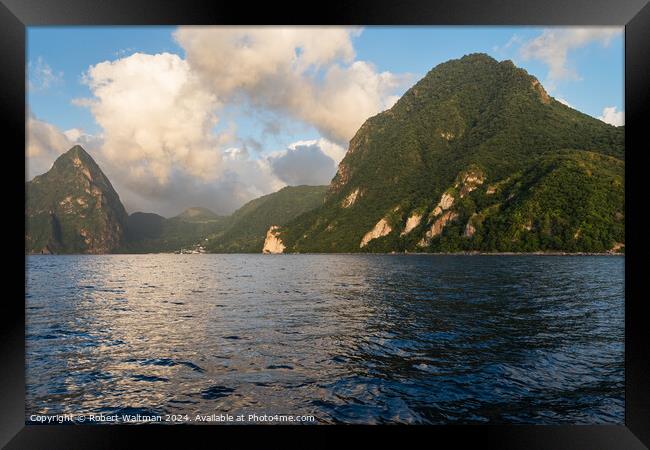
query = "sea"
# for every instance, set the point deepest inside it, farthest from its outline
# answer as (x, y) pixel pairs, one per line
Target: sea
(325, 339)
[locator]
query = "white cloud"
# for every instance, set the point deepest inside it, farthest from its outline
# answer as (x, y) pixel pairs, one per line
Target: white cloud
(75, 134)
(44, 139)
(329, 148)
(241, 180)
(552, 47)
(612, 117)
(156, 117)
(243, 177)
(306, 72)
(41, 76)
(45, 143)
(564, 102)
(159, 115)
(514, 40)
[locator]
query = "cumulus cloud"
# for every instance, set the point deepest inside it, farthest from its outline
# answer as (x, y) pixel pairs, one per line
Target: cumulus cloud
(156, 117)
(163, 143)
(44, 139)
(243, 176)
(303, 164)
(241, 180)
(552, 47)
(45, 143)
(329, 148)
(306, 72)
(613, 117)
(41, 76)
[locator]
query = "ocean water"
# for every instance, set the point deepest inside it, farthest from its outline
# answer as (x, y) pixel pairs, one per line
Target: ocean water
(338, 338)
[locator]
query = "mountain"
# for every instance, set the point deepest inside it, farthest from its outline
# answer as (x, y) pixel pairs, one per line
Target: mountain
(151, 233)
(197, 214)
(73, 208)
(242, 232)
(247, 227)
(475, 156)
(142, 226)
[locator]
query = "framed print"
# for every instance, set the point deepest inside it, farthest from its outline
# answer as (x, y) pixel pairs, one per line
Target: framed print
(392, 217)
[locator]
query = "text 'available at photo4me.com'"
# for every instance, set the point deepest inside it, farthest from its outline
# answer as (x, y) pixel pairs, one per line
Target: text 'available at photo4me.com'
(214, 418)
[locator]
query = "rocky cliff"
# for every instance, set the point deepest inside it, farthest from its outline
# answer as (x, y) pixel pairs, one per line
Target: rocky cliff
(73, 208)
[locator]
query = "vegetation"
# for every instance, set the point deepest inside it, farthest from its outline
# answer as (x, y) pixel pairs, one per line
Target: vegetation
(151, 233)
(73, 208)
(242, 232)
(570, 201)
(245, 230)
(471, 112)
(521, 172)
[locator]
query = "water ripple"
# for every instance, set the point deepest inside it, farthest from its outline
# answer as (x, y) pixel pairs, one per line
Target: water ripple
(346, 338)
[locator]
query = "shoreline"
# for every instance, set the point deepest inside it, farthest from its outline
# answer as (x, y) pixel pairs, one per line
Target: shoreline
(472, 253)
(451, 253)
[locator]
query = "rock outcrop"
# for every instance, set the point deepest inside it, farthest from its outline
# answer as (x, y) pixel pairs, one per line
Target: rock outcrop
(382, 228)
(470, 229)
(469, 181)
(617, 247)
(543, 96)
(350, 199)
(273, 243)
(412, 222)
(437, 227)
(446, 202)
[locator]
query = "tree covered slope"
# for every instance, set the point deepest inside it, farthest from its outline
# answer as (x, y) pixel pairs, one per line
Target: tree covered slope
(473, 116)
(73, 208)
(247, 227)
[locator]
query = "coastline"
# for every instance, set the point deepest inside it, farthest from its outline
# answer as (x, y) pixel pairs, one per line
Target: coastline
(472, 253)
(458, 253)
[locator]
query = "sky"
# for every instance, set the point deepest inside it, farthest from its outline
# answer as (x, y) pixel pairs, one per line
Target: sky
(217, 116)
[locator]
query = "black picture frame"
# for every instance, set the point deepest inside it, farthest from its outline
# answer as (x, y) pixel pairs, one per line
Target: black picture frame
(16, 15)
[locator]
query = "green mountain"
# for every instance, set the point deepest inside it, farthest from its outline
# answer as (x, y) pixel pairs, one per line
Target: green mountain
(242, 232)
(246, 228)
(197, 214)
(475, 156)
(73, 208)
(142, 226)
(151, 233)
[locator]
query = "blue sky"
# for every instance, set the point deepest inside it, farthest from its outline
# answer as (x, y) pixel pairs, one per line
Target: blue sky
(71, 51)
(414, 50)
(584, 68)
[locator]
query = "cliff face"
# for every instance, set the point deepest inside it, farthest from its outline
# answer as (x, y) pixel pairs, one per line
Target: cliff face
(273, 244)
(73, 208)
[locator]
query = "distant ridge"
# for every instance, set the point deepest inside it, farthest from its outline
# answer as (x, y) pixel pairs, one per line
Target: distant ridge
(197, 214)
